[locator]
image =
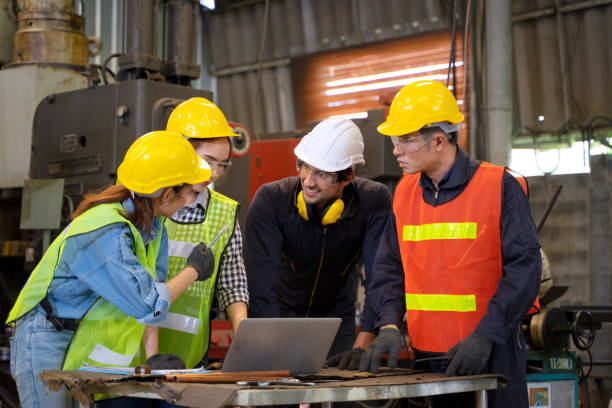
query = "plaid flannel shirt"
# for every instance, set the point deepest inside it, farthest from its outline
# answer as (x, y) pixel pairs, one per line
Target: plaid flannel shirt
(232, 281)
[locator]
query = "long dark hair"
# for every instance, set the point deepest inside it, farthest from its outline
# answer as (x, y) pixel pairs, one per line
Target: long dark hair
(142, 217)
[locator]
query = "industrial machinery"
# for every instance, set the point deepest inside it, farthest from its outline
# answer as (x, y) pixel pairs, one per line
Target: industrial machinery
(554, 370)
(71, 122)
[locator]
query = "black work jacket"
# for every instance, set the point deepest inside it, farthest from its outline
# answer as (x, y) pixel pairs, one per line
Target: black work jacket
(300, 268)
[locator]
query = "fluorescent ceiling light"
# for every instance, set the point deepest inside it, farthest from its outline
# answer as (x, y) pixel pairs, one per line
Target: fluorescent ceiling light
(208, 4)
(382, 85)
(341, 103)
(392, 74)
(354, 115)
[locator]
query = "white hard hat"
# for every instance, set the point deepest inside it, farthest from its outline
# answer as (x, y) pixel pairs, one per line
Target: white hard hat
(334, 144)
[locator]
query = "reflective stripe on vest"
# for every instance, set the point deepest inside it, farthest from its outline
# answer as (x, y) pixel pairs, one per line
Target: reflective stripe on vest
(180, 249)
(451, 255)
(104, 355)
(186, 331)
(181, 322)
(103, 326)
(445, 230)
(106, 335)
(441, 303)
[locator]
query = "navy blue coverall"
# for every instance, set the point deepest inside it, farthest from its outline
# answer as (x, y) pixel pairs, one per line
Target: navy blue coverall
(516, 291)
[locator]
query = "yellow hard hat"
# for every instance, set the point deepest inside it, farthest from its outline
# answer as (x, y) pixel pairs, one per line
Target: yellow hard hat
(161, 159)
(420, 104)
(199, 118)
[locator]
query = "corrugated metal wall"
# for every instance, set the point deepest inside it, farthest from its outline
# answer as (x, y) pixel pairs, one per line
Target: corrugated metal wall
(579, 44)
(296, 28)
(546, 46)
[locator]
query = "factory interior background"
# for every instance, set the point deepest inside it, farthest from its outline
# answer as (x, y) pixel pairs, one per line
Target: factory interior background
(532, 77)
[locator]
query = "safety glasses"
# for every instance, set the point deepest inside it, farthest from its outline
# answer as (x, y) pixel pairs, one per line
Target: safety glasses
(411, 143)
(218, 166)
(319, 176)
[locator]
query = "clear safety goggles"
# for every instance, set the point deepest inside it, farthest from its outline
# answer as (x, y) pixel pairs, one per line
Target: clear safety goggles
(412, 143)
(218, 166)
(319, 176)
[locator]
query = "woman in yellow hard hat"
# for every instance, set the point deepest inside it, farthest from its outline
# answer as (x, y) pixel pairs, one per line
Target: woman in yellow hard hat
(100, 281)
(211, 215)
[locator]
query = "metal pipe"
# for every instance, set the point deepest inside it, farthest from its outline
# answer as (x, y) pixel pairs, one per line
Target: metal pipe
(562, 44)
(250, 67)
(139, 27)
(552, 202)
(139, 58)
(498, 110)
(180, 30)
(65, 6)
(481, 400)
(181, 27)
(42, 25)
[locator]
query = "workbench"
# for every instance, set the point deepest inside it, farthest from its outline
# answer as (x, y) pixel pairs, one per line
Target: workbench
(330, 386)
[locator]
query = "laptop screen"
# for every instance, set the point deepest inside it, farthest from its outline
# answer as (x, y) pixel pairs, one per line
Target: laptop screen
(299, 345)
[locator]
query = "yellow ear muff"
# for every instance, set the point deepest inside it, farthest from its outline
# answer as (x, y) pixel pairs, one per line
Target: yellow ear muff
(302, 208)
(330, 215)
(333, 212)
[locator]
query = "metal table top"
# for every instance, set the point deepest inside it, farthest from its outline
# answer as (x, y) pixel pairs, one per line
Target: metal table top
(360, 391)
(377, 388)
(333, 389)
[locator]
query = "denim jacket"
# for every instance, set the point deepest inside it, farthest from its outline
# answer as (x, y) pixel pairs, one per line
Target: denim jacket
(103, 263)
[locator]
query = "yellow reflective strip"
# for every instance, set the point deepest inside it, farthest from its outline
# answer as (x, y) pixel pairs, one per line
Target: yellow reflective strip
(441, 303)
(445, 230)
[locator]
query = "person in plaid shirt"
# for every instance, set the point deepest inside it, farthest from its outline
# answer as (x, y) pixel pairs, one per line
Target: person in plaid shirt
(211, 218)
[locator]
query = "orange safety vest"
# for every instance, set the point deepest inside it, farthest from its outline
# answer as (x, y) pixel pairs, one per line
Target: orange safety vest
(451, 254)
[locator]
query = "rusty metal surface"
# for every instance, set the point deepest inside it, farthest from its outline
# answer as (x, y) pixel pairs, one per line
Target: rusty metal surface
(331, 385)
(63, 5)
(50, 36)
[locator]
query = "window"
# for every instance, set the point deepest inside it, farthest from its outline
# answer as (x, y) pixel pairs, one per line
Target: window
(350, 82)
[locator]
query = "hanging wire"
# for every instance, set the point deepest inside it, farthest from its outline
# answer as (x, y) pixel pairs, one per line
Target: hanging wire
(106, 69)
(590, 130)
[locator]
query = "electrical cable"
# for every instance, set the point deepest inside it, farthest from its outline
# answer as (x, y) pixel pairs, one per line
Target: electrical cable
(590, 130)
(105, 67)
(70, 206)
(583, 340)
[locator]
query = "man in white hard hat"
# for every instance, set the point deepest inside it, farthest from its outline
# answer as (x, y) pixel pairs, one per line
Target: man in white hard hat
(304, 234)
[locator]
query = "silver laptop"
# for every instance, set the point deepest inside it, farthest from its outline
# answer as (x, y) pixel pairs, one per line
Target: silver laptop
(299, 345)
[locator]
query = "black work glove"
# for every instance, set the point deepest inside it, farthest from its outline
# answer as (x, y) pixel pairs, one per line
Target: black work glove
(347, 360)
(165, 362)
(202, 260)
(389, 341)
(469, 356)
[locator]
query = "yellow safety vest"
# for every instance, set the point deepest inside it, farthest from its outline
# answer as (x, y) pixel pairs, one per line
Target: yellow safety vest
(186, 330)
(106, 335)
